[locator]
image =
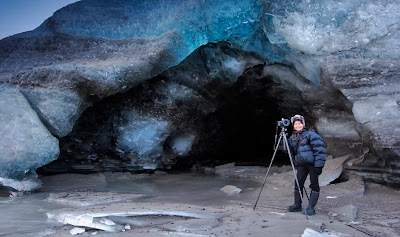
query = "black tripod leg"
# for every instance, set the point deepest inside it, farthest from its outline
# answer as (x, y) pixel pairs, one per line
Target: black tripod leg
(305, 190)
(269, 167)
(295, 176)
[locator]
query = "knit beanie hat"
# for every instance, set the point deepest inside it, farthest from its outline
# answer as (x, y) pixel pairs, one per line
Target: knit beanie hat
(298, 117)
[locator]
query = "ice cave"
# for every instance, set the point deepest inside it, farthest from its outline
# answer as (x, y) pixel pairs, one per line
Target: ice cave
(104, 92)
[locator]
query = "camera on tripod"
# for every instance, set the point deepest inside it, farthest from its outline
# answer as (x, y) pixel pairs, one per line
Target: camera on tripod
(283, 123)
(282, 138)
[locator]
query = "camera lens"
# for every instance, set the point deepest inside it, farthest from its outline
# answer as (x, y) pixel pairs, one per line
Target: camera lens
(286, 122)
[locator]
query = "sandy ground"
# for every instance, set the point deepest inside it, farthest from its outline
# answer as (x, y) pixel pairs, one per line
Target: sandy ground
(193, 205)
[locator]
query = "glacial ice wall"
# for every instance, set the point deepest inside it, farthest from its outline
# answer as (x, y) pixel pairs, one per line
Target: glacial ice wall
(25, 143)
(351, 46)
(321, 27)
(300, 33)
(198, 22)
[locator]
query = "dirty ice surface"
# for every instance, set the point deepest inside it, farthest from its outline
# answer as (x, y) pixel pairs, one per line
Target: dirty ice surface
(26, 215)
(193, 204)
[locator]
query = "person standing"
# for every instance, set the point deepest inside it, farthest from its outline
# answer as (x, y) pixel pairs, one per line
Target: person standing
(309, 152)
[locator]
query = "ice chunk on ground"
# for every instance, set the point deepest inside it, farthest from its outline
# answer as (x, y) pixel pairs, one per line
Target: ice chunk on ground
(230, 190)
(332, 170)
(77, 231)
(331, 197)
(83, 199)
(312, 233)
(347, 213)
(277, 213)
(27, 184)
(25, 143)
(94, 219)
(106, 221)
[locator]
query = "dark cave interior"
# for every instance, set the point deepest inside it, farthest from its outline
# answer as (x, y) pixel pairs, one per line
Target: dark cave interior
(242, 129)
(248, 121)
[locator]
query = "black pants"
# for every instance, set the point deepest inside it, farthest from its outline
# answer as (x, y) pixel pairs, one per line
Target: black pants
(302, 172)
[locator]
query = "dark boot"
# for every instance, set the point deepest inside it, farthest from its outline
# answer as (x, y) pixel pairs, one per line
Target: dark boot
(313, 201)
(297, 203)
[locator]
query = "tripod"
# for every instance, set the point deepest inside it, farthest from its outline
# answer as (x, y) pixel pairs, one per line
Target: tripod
(286, 144)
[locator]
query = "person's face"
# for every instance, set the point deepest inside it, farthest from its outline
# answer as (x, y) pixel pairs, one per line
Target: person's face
(298, 126)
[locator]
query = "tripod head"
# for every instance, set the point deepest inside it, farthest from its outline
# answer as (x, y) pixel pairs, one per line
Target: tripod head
(283, 123)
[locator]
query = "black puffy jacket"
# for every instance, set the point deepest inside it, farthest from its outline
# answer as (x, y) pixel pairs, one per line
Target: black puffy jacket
(308, 148)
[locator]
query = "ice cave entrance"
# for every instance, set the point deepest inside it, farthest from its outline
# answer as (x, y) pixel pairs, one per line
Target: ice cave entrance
(248, 119)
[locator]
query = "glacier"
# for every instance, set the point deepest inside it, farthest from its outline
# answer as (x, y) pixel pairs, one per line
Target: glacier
(25, 143)
(91, 49)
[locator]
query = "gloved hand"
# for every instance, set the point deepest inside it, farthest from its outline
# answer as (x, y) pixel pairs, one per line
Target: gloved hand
(318, 170)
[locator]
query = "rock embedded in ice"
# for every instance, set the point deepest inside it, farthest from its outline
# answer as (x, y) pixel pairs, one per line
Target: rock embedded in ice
(25, 143)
